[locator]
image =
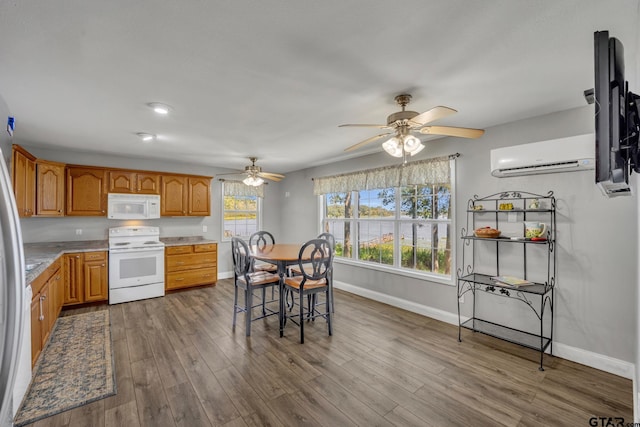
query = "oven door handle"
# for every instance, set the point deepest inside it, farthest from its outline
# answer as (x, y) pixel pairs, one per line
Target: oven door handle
(135, 250)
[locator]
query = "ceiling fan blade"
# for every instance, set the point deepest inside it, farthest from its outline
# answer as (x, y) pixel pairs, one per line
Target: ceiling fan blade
(231, 173)
(271, 176)
(367, 141)
(452, 131)
(431, 115)
(366, 126)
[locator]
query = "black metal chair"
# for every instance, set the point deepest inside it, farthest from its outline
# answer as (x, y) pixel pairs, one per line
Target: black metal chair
(295, 270)
(249, 281)
(262, 239)
(314, 279)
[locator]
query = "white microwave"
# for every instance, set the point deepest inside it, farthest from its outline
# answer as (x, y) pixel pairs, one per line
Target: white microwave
(133, 206)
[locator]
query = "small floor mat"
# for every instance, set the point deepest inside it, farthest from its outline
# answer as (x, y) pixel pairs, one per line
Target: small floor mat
(75, 368)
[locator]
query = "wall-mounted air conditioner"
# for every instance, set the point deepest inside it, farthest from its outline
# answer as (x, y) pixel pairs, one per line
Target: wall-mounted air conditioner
(572, 154)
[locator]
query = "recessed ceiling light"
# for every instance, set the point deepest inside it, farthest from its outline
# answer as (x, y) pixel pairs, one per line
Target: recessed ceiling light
(146, 137)
(159, 108)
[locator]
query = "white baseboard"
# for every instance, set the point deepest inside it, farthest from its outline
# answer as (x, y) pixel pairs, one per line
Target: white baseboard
(425, 310)
(225, 275)
(578, 355)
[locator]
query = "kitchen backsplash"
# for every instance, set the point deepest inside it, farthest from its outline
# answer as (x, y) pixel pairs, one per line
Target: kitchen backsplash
(90, 228)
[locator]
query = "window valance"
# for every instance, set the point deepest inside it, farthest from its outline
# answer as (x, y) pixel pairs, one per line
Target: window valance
(238, 188)
(430, 171)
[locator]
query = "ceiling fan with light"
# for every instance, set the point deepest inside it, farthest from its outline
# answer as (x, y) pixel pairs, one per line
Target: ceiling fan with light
(254, 174)
(403, 124)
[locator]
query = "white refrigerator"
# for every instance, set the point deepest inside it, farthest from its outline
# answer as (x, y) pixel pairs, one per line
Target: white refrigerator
(12, 296)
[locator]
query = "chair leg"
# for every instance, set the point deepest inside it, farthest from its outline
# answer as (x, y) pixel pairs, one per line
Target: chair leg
(329, 304)
(301, 318)
(264, 294)
(331, 292)
(235, 304)
(248, 302)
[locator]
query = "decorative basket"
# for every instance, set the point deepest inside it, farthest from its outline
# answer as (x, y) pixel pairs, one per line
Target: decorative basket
(490, 233)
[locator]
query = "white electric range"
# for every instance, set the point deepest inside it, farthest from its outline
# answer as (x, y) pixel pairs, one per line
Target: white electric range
(136, 263)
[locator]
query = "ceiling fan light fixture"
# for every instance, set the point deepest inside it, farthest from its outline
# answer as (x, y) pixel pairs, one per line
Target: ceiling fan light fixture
(418, 149)
(411, 143)
(393, 146)
(254, 181)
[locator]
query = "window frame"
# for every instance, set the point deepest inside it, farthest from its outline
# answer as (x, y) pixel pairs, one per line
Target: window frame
(223, 237)
(397, 221)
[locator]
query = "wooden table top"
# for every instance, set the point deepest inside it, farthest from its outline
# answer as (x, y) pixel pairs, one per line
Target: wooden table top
(277, 252)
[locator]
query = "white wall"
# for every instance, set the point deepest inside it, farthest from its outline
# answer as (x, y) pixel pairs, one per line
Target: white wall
(5, 139)
(597, 245)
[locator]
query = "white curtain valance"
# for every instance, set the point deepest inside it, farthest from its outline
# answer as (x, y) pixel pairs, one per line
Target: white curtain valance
(238, 188)
(431, 171)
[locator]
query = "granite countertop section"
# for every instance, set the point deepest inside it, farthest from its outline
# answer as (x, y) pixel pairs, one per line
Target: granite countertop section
(39, 256)
(188, 240)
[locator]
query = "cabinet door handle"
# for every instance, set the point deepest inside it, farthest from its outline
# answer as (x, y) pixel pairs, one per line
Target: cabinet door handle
(77, 256)
(103, 265)
(41, 314)
(179, 279)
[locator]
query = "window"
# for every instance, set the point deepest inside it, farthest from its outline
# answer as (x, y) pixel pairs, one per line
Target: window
(241, 212)
(404, 228)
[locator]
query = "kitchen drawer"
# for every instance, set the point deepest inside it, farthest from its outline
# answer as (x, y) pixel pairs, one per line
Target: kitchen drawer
(208, 247)
(187, 261)
(175, 250)
(95, 256)
(183, 279)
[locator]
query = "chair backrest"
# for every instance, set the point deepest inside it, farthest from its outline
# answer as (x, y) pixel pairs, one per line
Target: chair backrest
(329, 238)
(320, 262)
(261, 239)
(241, 256)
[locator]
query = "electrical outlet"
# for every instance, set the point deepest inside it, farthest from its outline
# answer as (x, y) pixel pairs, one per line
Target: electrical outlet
(204, 228)
(78, 231)
(461, 299)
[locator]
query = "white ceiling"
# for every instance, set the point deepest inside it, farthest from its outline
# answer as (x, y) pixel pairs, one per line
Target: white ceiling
(274, 79)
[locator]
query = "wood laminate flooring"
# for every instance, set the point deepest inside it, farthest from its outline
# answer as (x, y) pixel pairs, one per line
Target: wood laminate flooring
(179, 363)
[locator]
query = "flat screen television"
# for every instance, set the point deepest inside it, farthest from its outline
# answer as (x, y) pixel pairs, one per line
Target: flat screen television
(616, 118)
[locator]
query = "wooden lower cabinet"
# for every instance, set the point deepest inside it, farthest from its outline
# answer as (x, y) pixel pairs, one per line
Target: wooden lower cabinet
(191, 265)
(45, 306)
(86, 277)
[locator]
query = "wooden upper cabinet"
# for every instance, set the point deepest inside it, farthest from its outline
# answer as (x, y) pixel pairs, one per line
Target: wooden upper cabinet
(23, 177)
(148, 183)
(199, 199)
(86, 191)
(123, 181)
(185, 195)
(49, 188)
(174, 195)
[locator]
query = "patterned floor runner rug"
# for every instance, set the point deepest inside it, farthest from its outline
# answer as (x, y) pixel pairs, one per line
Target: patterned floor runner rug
(75, 368)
